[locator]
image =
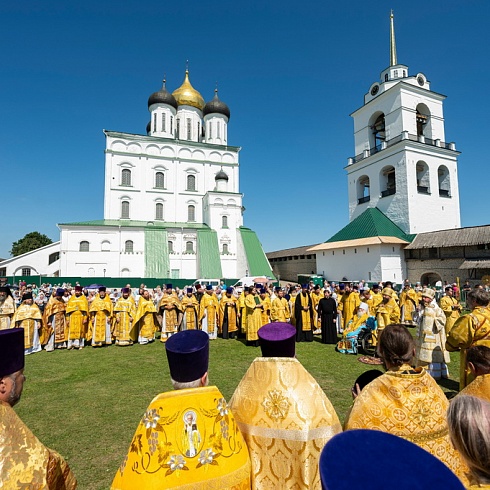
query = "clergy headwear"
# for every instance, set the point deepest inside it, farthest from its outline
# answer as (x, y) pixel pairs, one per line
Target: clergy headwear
(11, 351)
(229, 290)
(387, 292)
(60, 292)
(417, 468)
(169, 286)
(428, 293)
(364, 307)
(78, 288)
(188, 355)
(125, 290)
(341, 287)
(102, 289)
(277, 340)
(209, 287)
(304, 286)
(26, 296)
(189, 290)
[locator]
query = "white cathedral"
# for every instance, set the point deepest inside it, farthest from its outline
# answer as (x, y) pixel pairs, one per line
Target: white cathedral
(172, 204)
(402, 181)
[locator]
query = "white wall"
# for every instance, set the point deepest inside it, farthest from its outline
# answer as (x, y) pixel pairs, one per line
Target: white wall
(37, 261)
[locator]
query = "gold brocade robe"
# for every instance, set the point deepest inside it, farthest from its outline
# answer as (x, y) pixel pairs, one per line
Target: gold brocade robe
(386, 314)
(7, 309)
(373, 302)
(408, 404)
(254, 316)
(469, 330)
(209, 307)
(315, 298)
(55, 313)
(266, 311)
(187, 439)
(285, 430)
(280, 311)
(243, 312)
(430, 343)
(170, 317)
(305, 317)
(77, 317)
(25, 462)
(101, 312)
(479, 387)
(446, 303)
(408, 303)
(145, 323)
(124, 314)
(228, 309)
(292, 302)
(190, 308)
(348, 304)
(26, 317)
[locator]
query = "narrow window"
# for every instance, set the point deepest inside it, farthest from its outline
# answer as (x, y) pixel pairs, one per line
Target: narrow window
(178, 128)
(164, 125)
(171, 124)
(126, 176)
(84, 247)
(128, 246)
(189, 247)
(154, 122)
(170, 247)
(125, 210)
(191, 182)
(159, 211)
(160, 180)
(198, 131)
(224, 222)
(217, 129)
(225, 248)
(191, 213)
(210, 129)
(189, 128)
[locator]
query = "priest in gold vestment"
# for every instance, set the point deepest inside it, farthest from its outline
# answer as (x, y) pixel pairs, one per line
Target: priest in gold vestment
(280, 311)
(190, 309)
(169, 308)
(303, 314)
(228, 314)
(208, 312)
(255, 306)
(7, 307)
(408, 303)
(187, 439)
(28, 316)
(387, 312)
(451, 307)
(56, 332)
(283, 414)
(25, 463)
(101, 317)
(478, 361)
(77, 319)
(406, 402)
(145, 322)
(124, 314)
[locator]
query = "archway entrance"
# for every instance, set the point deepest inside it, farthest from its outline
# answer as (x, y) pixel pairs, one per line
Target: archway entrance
(430, 279)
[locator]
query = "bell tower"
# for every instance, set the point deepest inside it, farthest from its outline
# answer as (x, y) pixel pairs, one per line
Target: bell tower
(403, 164)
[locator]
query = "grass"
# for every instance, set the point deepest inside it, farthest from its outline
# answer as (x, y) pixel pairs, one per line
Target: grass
(86, 404)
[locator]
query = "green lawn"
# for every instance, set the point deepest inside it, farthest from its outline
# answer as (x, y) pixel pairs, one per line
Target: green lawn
(86, 404)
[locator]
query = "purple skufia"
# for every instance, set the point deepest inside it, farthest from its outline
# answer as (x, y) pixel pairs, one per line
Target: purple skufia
(11, 351)
(188, 355)
(277, 340)
(416, 469)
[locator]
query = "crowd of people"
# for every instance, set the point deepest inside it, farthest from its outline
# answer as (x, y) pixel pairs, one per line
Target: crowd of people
(251, 442)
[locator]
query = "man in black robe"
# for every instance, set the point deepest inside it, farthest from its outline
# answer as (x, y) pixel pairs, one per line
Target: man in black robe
(303, 313)
(327, 312)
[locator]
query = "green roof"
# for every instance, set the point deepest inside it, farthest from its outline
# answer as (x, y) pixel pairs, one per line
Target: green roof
(209, 260)
(370, 223)
(258, 265)
(126, 223)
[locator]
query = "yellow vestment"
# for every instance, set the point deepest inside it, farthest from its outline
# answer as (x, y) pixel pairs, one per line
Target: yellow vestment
(408, 304)
(124, 314)
(190, 307)
(315, 298)
(25, 462)
(145, 323)
(469, 330)
(228, 313)
(348, 304)
(208, 314)
(280, 311)
(447, 303)
(408, 403)
(187, 439)
(254, 316)
(243, 312)
(387, 313)
(169, 307)
(77, 317)
(479, 387)
(286, 419)
(26, 316)
(7, 309)
(101, 312)
(54, 313)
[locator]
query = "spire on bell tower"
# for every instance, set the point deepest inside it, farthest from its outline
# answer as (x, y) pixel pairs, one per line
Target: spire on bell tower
(393, 61)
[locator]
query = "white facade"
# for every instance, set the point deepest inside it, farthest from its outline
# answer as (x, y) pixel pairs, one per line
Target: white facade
(42, 261)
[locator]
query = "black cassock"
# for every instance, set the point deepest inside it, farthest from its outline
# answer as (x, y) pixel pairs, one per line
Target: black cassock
(327, 312)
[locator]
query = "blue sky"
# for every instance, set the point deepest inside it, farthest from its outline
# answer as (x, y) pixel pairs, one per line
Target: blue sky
(290, 72)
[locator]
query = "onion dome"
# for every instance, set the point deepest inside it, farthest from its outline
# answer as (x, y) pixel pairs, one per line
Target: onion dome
(163, 96)
(216, 106)
(221, 176)
(186, 94)
(148, 127)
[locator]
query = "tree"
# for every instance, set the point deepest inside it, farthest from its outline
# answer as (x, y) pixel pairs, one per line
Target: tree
(30, 242)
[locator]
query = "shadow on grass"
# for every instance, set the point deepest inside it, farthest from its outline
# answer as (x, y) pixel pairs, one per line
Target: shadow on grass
(450, 385)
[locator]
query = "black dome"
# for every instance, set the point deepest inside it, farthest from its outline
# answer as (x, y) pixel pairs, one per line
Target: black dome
(216, 106)
(221, 175)
(163, 96)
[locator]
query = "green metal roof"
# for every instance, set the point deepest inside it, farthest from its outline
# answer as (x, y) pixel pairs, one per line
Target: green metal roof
(258, 265)
(209, 260)
(157, 263)
(371, 222)
(126, 223)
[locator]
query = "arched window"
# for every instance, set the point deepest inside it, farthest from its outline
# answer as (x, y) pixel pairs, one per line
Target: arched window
(444, 181)
(189, 247)
(160, 180)
(105, 246)
(84, 246)
(191, 182)
(191, 213)
(159, 211)
(363, 194)
(423, 179)
(225, 248)
(125, 272)
(125, 210)
(377, 132)
(387, 181)
(170, 247)
(422, 118)
(224, 221)
(128, 246)
(126, 176)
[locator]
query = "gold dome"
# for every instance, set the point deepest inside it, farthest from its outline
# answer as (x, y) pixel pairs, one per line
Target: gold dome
(186, 94)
